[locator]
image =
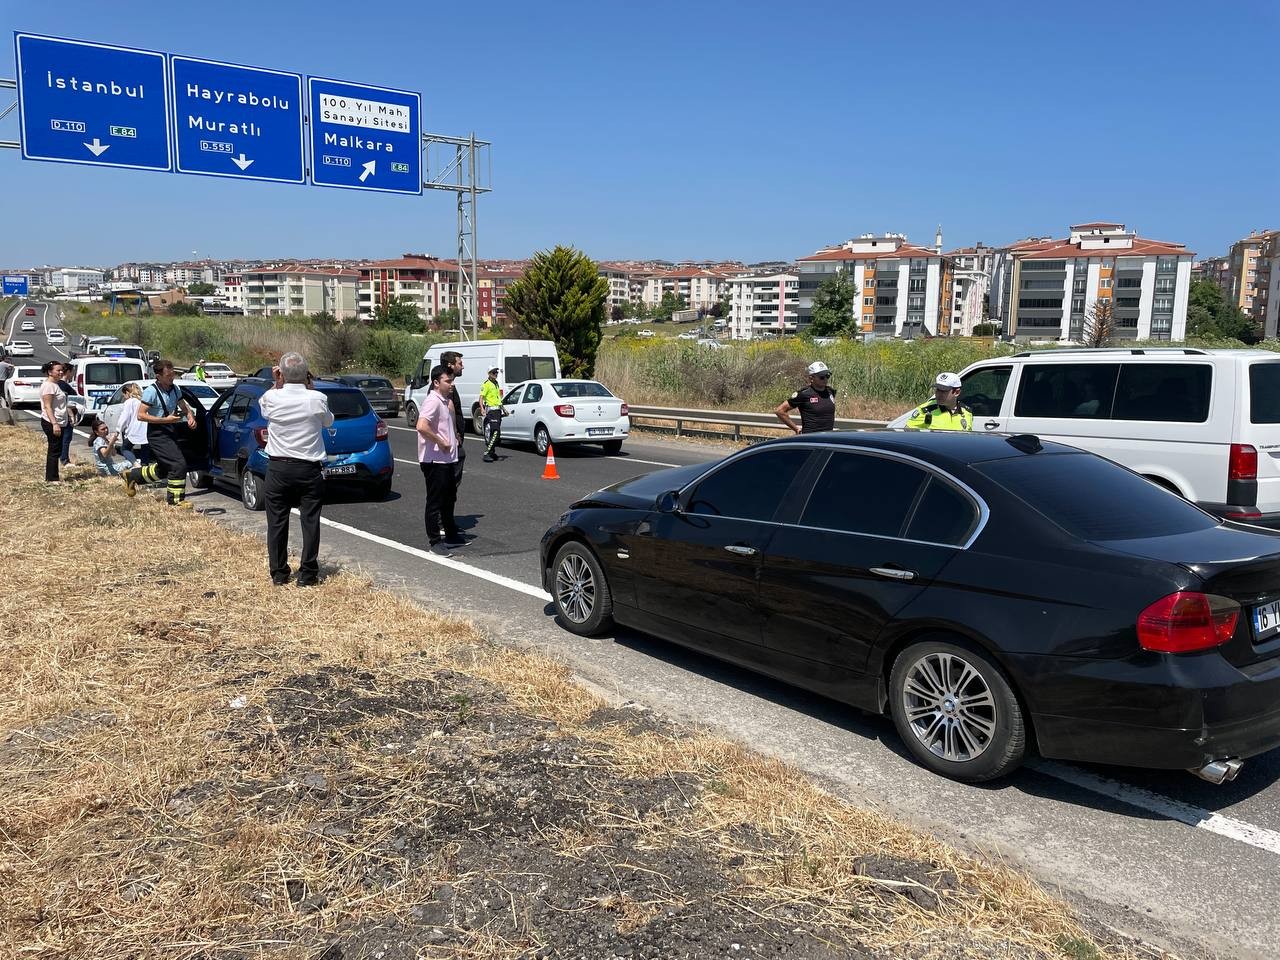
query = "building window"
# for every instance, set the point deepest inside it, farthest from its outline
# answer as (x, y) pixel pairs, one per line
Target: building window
(868, 301)
(1077, 304)
(1105, 283)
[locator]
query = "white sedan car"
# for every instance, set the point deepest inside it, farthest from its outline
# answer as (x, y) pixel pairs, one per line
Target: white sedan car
(217, 375)
(546, 412)
(205, 395)
(19, 348)
(56, 335)
(28, 326)
(24, 386)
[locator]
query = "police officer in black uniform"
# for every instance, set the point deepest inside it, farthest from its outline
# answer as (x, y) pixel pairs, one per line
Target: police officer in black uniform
(816, 403)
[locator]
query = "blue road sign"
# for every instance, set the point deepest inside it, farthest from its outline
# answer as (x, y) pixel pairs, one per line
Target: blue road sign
(94, 103)
(15, 285)
(365, 138)
(236, 121)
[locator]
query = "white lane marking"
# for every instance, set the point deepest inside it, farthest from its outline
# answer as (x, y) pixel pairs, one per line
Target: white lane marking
(449, 564)
(1192, 816)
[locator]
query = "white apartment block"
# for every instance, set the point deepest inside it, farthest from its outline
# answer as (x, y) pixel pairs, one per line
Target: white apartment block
(972, 269)
(231, 290)
(1048, 289)
(904, 290)
(430, 284)
(701, 289)
(619, 284)
(288, 289)
(763, 305)
(71, 279)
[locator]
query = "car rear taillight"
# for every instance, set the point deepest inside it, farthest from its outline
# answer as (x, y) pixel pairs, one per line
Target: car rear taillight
(564, 409)
(260, 434)
(626, 411)
(1243, 462)
(380, 432)
(1187, 621)
(80, 383)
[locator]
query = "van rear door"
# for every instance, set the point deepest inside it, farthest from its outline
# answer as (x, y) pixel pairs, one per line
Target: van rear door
(1260, 427)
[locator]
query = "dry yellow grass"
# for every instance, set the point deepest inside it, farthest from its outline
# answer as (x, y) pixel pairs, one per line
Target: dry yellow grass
(195, 765)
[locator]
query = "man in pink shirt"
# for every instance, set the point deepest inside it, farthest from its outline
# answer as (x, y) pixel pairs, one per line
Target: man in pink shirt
(437, 454)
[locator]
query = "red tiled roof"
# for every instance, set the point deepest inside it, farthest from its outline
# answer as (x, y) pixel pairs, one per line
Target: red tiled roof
(844, 253)
(411, 263)
(1140, 248)
(687, 273)
(299, 268)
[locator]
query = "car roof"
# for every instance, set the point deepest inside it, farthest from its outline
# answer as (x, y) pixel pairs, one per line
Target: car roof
(951, 449)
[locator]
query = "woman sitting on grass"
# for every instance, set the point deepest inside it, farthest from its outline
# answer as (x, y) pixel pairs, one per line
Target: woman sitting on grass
(104, 452)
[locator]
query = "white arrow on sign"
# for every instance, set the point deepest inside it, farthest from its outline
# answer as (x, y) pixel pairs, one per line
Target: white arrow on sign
(97, 148)
(368, 169)
(241, 162)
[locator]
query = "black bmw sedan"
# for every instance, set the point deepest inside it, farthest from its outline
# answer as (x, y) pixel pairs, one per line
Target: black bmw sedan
(993, 594)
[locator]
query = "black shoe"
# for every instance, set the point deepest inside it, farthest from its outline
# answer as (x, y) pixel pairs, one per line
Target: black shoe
(439, 549)
(308, 583)
(457, 540)
(489, 458)
(280, 581)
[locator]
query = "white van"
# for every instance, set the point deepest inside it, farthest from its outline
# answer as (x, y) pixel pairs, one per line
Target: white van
(1202, 423)
(99, 377)
(516, 360)
(130, 350)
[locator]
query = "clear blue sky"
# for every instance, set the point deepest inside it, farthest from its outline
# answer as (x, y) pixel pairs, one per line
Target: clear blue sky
(739, 130)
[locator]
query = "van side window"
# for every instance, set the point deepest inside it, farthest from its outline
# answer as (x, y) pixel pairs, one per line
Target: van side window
(544, 368)
(983, 390)
(517, 370)
(1068, 391)
(1170, 392)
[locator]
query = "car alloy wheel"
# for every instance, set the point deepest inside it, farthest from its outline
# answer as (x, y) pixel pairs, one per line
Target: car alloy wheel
(251, 490)
(949, 707)
(575, 588)
(581, 592)
(542, 440)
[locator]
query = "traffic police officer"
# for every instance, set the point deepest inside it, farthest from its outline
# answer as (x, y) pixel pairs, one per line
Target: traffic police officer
(491, 404)
(944, 411)
(816, 403)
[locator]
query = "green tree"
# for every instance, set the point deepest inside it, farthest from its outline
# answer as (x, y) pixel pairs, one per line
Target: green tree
(834, 303)
(1211, 316)
(447, 319)
(202, 290)
(722, 307)
(184, 309)
(561, 297)
(671, 302)
(398, 313)
(617, 312)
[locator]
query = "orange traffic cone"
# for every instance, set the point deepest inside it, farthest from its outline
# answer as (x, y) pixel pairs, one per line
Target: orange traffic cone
(549, 471)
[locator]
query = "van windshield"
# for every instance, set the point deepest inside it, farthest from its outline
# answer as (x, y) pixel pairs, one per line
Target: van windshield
(1264, 392)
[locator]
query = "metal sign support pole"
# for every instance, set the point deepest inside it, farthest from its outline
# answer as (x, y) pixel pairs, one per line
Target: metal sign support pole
(461, 173)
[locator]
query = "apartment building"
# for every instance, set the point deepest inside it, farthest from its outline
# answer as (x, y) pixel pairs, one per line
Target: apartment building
(763, 305)
(290, 288)
(904, 290)
(1047, 288)
(491, 292)
(620, 283)
(1214, 269)
(71, 279)
(231, 290)
(1248, 281)
(970, 287)
(701, 288)
(429, 283)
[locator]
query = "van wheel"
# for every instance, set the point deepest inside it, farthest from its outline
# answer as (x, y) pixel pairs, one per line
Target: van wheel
(411, 413)
(541, 440)
(477, 421)
(251, 490)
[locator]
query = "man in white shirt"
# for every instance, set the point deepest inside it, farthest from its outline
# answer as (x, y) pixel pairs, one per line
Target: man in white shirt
(297, 416)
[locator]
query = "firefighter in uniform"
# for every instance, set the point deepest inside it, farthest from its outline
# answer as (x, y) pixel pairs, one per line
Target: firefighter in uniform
(816, 403)
(944, 411)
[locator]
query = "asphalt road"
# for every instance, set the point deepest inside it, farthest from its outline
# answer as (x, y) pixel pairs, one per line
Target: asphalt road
(1164, 855)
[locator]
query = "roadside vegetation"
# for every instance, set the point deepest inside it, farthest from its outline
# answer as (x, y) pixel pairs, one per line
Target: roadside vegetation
(194, 769)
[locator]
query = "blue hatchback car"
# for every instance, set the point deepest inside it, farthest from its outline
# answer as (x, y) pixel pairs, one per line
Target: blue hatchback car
(356, 447)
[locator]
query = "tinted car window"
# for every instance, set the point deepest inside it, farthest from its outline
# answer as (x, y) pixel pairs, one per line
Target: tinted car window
(862, 493)
(98, 373)
(983, 390)
(580, 390)
(750, 488)
(1073, 391)
(533, 393)
(1177, 392)
(347, 404)
(942, 515)
(1264, 393)
(372, 383)
(513, 397)
(239, 407)
(1094, 499)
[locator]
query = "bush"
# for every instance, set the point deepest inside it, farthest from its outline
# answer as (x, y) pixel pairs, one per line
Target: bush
(392, 353)
(986, 329)
(334, 346)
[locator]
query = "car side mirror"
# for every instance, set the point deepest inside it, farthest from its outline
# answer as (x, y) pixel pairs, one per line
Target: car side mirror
(669, 502)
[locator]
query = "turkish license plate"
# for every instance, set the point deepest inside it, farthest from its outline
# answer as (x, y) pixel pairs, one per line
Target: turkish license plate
(1266, 620)
(341, 470)
(599, 431)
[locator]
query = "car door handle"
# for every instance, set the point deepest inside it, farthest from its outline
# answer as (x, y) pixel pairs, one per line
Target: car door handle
(893, 573)
(991, 424)
(741, 550)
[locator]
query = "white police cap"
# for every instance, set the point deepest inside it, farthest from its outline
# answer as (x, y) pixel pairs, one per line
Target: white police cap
(949, 380)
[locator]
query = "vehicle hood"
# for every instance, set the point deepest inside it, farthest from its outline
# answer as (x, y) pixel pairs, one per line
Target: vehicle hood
(1233, 559)
(641, 492)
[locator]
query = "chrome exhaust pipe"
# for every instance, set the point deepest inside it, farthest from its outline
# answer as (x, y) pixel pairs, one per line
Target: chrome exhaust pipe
(1219, 771)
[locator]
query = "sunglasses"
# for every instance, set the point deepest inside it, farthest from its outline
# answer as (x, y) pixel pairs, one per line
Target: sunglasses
(823, 376)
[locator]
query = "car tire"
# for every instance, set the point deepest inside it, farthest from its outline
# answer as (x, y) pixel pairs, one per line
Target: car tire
(411, 414)
(580, 591)
(381, 490)
(477, 422)
(251, 492)
(612, 447)
(200, 479)
(541, 439)
(981, 740)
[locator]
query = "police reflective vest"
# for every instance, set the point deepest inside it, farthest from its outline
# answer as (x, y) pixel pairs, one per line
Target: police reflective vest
(931, 416)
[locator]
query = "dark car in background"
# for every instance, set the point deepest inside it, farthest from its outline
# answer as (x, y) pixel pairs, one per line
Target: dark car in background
(993, 594)
(381, 393)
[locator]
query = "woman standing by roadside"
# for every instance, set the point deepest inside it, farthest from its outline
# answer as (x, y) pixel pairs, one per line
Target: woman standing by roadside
(437, 454)
(53, 417)
(133, 430)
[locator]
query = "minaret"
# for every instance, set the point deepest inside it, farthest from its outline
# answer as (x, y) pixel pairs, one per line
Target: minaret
(937, 240)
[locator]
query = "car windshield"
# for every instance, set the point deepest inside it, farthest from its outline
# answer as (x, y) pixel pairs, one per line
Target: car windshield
(373, 383)
(347, 404)
(200, 390)
(1095, 499)
(589, 389)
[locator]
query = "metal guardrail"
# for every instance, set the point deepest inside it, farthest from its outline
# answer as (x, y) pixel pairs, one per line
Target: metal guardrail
(731, 422)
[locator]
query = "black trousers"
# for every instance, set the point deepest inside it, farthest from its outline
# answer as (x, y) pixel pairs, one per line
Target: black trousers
(492, 429)
(54, 452)
(163, 441)
(462, 462)
(442, 493)
(293, 483)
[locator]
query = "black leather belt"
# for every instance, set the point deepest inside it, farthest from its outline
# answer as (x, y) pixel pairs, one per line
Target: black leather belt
(310, 463)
